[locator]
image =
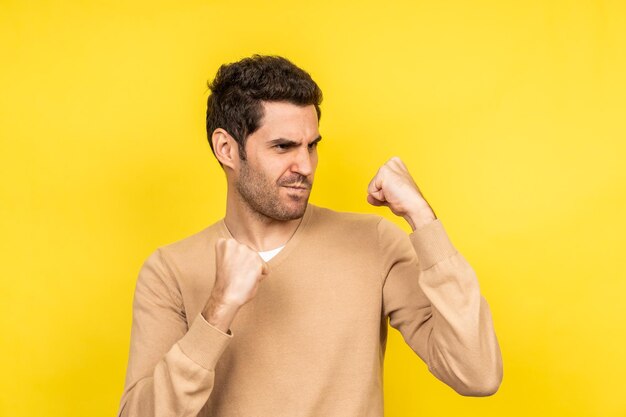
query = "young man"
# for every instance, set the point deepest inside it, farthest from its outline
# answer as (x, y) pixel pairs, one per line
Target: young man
(281, 308)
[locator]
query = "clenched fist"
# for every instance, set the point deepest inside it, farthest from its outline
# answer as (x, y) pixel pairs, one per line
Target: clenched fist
(393, 186)
(238, 270)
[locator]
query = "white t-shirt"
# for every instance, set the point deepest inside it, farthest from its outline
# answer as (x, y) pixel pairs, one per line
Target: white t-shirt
(269, 254)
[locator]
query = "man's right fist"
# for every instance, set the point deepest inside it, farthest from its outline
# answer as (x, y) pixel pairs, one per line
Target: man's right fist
(239, 270)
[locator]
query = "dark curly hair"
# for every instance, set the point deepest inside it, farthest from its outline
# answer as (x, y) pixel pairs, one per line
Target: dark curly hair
(239, 88)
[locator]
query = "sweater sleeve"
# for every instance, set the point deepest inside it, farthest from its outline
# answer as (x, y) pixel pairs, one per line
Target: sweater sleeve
(432, 296)
(171, 365)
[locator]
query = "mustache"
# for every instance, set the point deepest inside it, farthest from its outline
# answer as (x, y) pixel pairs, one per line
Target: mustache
(297, 180)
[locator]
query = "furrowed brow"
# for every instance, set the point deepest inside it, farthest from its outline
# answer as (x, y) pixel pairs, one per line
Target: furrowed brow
(282, 141)
(285, 141)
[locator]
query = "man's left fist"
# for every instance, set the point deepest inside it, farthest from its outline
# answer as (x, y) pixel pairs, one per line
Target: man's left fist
(393, 186)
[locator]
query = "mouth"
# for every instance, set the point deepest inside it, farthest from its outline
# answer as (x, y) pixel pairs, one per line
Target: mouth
(297, 186)
(297, 189)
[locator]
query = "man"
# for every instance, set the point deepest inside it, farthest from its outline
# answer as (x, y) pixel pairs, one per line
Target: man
(281, 308)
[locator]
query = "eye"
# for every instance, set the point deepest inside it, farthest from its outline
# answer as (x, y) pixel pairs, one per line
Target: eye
(313, 145)
(282, 146)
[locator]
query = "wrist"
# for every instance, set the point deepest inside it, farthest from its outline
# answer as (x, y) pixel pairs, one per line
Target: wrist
(220, 314)
(420, 218)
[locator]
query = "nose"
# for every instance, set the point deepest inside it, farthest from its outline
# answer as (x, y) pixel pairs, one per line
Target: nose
(303, 163)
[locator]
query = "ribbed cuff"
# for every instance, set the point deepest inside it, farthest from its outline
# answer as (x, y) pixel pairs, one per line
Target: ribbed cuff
(203, 343)
(432, 244)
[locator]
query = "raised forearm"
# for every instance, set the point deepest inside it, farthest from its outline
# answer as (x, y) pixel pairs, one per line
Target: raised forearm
(219, 314)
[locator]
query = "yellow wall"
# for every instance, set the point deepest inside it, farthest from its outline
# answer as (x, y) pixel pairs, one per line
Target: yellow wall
(510, 115)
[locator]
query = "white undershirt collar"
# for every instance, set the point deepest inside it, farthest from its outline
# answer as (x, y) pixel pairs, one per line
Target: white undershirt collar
(269, 254)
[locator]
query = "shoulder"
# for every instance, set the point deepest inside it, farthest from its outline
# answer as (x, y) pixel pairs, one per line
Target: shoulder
(323, 216)
(189, 250)
(326, 215)
(364, 226)
(359, 235)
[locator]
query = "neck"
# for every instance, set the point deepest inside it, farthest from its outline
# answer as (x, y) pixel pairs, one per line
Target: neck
(251, 228)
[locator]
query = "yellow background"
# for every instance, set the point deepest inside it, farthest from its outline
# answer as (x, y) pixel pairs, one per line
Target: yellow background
(511, 116)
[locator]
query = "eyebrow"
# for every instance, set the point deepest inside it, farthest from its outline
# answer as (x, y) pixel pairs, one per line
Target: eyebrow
(285, 141)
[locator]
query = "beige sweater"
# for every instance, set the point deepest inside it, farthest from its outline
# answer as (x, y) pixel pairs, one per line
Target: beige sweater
(312, 341)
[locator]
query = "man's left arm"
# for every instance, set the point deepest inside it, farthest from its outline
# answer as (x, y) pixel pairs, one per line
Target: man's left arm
(431, 293)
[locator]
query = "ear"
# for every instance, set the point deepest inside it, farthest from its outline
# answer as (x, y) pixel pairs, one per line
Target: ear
(225, 148)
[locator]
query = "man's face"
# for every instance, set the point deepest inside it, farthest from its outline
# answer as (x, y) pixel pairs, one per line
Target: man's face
(276, 178)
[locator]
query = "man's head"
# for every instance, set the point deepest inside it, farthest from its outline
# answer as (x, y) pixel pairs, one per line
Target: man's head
(239, 89)
(262, 125)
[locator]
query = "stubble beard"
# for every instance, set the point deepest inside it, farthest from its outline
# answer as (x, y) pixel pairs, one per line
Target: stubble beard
(263, 196)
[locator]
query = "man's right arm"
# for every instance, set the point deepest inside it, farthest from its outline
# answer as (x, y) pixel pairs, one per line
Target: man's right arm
(171, 365)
